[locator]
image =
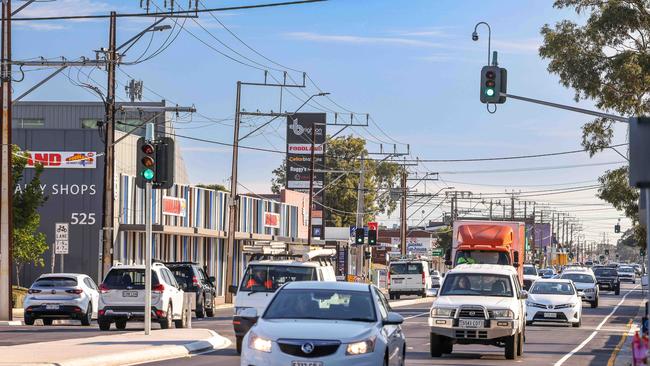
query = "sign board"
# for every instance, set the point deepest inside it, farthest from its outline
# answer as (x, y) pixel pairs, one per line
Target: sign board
(437, 252)
(61, 235)
(173, 206)
(62, 159)
(299, 148)
(271, 219)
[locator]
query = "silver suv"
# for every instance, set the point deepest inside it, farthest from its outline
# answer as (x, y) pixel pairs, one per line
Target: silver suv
(586, 284)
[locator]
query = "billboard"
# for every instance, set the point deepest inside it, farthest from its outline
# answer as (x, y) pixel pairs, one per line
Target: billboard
(299, 149)
(541, 236)
(62, 159)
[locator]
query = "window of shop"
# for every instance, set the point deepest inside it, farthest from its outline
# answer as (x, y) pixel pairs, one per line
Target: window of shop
(28, 123)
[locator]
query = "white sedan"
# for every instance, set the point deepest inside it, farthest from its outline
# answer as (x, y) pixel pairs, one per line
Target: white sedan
(554, 301)
(311, 323)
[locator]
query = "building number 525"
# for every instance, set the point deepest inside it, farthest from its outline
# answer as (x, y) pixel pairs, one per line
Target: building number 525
(82, 218)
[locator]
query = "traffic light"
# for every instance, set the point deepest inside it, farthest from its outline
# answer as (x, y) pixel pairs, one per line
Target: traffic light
(617, 228)
(372, 237)
(493, 83)
(359, 234)
(146, 163)
(606, 251)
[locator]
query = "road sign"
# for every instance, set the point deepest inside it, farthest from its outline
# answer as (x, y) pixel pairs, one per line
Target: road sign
(437, 252)
(61, 235)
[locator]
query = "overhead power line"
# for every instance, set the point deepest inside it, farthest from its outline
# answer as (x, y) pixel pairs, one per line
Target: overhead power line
(531, 169)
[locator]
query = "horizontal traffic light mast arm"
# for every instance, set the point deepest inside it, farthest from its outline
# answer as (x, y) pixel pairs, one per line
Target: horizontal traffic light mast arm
(567, 107)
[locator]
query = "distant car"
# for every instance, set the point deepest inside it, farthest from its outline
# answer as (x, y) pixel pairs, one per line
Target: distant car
(61, 296)
(589, 263)
(193, 279)
(530, 275)
(627, 273)
(613, 265)
(586, 285)
(546, 273)
(122, 297)
(408, 277)
(608, 279)
(638, 269)
(554, 301)
(436, 279)
(325, 323)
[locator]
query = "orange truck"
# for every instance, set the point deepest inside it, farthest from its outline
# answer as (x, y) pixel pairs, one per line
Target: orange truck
(488, 242)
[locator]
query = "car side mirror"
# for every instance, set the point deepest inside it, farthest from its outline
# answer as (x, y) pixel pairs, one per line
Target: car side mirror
(232, 289)
(523, 294)
(515, 258)
(393, 319)
(432, 292)
(248, 313)
(212, 279)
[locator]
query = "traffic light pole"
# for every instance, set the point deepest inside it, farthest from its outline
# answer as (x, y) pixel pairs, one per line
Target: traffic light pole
(6, 194)
(361, 249)
(148, 205)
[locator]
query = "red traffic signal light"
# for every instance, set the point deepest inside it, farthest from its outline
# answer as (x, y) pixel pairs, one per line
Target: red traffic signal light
(148, 149)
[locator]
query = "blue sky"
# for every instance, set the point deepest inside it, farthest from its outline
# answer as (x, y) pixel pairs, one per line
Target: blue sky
(411, 64)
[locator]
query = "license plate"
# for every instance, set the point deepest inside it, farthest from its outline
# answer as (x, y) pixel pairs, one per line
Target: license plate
(51, 307)
(129, 293)
(471, 323)
(306, 363)
(550, 315)
(397, 280)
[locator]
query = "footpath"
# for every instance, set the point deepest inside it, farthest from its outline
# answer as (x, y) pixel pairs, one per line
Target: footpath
(114, 350)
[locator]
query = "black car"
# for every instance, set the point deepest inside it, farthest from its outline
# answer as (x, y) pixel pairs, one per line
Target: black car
(607, 279)
(194, 279)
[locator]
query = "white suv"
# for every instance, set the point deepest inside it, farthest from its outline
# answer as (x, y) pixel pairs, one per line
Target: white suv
(479, 304)
(122, 297)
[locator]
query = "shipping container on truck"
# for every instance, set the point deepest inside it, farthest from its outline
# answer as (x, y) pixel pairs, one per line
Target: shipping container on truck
(488, 242)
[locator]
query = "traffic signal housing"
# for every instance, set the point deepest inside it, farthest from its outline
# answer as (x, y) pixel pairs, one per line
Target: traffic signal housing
(359, 234)
(493, 83)
(146, 162)
(372, 237)
(617, 228)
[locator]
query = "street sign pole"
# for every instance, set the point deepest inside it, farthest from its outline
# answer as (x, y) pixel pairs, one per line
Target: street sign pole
(148, 239)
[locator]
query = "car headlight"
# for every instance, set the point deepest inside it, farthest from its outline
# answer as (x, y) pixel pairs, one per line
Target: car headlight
(535, 305)
(259, 344)
(239, 309)
(360, 348)
(442, 312)
(503, 314)
(588, 290)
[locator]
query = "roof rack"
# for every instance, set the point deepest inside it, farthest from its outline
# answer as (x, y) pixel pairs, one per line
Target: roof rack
(180, 262)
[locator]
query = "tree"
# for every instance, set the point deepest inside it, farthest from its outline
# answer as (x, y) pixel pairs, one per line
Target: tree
(28, 244)
(344, 154)
(214, 187)
(607, 60)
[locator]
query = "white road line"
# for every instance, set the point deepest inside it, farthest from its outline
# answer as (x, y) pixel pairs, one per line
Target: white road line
(593, 334)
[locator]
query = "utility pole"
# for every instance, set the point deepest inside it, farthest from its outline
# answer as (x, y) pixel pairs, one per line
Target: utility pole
(311, 184)
(6, 194)
(109, 157)
(234, 200)
(490, 210)
(512, 207)
(402, 210)
(359, 220)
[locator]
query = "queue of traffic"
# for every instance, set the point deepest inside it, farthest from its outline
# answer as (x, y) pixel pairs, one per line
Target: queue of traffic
(290, 309)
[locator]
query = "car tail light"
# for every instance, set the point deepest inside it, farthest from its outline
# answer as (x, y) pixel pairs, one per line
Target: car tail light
(103, 289)
(160, 314)
(29, 309)
(195, 281)
(76, 291)
(423, 278)
(77, 309)
(101, 312)
(160, 288)
(33, 291)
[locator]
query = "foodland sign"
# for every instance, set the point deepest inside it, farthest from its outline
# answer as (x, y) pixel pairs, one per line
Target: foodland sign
(62, 159)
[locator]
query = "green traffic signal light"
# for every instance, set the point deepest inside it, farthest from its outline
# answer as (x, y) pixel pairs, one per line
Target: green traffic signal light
(147, 174)
(489, 92)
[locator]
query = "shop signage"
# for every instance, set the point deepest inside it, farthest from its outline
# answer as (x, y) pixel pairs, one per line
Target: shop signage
(272, 220)
(62, 159)
(173, 206)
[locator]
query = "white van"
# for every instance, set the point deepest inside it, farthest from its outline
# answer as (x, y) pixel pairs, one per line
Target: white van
(264, 275)
(408, 277)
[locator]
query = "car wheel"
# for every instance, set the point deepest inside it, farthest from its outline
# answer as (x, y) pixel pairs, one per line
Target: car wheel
(167, 322)
(29, 320)
(200, 306)
(511, 347)
(103, 324)
(423, 294)
(447, 346)
(403, 360)
(238, 342)
(120, 324)
(633, 282)
(47, 321)
(391, 296)
(88, 316)
(578, 323)
(182, 322)
(594, 304)
(209, 312)
(397, 296)
(520, 345)
(617, 291)
(434, 345)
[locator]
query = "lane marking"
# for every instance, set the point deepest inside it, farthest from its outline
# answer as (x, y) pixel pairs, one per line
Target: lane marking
(415, 316)
(618, 347)
(561, 361)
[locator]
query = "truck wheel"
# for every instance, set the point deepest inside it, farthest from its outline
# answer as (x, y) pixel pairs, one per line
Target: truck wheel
(238, 341)
(511, 347)
(447, 346)
(434, 345)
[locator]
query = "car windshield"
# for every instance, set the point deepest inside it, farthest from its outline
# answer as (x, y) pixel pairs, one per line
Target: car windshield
(322, 304)
(476, 284)
(626, 269)
(605, 272)
(552, 288)
(529, 270)
(405, 268)
(55, 282)
(268, 278)
(127, 278)
(578, 277)
(482, 257)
